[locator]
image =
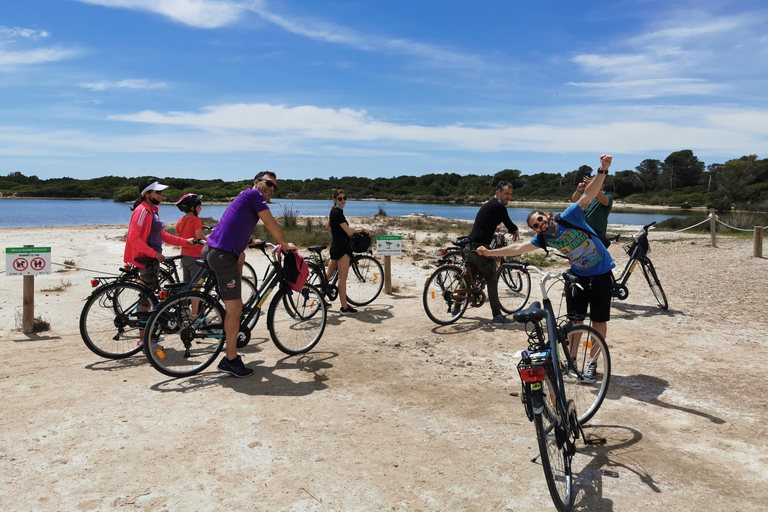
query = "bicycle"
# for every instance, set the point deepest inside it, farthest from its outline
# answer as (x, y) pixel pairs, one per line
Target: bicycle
(296, 322)
(638, 253)
(115, 313)
(552, 371)
(450, 289)
(364, 280)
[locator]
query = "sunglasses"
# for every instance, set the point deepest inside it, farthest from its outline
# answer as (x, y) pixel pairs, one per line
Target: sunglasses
(341, 198)
(270, 184)
(538, 222)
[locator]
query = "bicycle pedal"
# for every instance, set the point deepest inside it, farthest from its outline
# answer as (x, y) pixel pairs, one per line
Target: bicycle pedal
(595, 440)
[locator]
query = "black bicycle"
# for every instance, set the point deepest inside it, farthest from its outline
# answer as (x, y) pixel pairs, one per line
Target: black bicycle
(566, 370)
(451, 289)
(179, 344)
(638, 252)
(115, 314)
(364, 280)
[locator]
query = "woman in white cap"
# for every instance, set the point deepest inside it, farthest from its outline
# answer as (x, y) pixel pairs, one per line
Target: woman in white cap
(146, 234)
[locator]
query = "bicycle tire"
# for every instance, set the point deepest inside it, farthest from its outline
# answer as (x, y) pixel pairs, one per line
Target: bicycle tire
(109, 325)
(297, 320)
(365, 280)
(188, 346)
(514, 288)
(248, 289)
(653, 282)
(588, 397)
(439, 303)
(318, 279)
(250, 274)
(556, 462)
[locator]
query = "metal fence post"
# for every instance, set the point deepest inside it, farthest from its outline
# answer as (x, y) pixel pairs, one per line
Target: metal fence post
(757, 251)
(713, 226)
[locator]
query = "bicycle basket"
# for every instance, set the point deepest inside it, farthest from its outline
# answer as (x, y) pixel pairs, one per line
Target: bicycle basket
(360, 242)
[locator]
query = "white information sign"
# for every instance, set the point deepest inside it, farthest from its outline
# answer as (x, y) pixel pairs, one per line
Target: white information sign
(27, 261)
(389, 245)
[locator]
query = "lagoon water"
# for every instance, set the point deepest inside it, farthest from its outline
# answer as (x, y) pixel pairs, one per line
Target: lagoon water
(22, 213)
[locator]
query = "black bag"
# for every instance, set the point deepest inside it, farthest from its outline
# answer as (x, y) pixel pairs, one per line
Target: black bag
(589, 231)
(360, 242)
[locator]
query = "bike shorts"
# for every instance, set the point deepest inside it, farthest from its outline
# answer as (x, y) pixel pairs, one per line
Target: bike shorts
(596, 295)
(340, 248)
(228, 278)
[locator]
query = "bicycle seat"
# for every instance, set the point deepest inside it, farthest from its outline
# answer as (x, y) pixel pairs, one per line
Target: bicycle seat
(461, 241)
(170, 259)
(202, 263)
(531, 313)
(317, 248)
(144, 260)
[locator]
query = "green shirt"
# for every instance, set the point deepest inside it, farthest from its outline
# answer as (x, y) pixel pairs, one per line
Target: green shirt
(597, 214)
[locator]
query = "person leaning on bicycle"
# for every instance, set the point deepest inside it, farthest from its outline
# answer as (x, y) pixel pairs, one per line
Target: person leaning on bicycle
(226, 244)
(491, 214)
(590, 260)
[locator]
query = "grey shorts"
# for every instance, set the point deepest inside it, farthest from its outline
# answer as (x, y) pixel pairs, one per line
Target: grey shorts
(228, 278)
(189, 267)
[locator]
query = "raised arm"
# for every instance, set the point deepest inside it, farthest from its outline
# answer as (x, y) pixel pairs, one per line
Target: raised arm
(509, 250)
(596, 184)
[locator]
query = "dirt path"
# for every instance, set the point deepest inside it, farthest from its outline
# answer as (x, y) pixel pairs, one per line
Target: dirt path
(390, 411)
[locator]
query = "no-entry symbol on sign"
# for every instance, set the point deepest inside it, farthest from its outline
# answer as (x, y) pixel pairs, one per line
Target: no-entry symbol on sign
(27, 261)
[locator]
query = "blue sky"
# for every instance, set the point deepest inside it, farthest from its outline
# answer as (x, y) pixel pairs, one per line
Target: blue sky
(226, 88)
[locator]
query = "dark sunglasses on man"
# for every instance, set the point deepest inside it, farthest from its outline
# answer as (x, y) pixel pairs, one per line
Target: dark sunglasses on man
(270, 184)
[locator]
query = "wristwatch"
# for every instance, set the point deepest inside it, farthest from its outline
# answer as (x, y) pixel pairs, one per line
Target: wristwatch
(601, 171)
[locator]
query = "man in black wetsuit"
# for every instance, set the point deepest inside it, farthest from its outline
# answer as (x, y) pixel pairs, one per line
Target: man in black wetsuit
(492, 213)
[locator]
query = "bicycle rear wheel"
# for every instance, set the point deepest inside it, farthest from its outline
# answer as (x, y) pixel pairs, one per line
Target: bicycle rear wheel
(587, 347)
(556, 456)
(440, 301)
(364, 280)
(110, 322)
(296, 320)
(653, 281)
(250, 274)
(514, 287)
(178, 345)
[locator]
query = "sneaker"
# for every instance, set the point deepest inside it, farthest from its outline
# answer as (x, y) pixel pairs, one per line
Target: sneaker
(234, 367)
(327, 305)
(348, 311)
(456, 309)
(591, 373)
(501, 320)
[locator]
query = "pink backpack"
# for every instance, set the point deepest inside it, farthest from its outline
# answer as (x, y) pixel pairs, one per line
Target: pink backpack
(295, 270)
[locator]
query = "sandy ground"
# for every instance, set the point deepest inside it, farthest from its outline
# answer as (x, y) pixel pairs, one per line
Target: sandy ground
(390, 411)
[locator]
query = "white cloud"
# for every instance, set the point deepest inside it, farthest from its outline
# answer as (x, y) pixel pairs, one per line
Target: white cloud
(11, 35)
(195, 13)
(35, 56)
(137, 83)
(621, 130)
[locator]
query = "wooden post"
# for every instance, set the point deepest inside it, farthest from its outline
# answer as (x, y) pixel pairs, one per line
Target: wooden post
(758, 248)
(713, 226)
(28, 309)
(388, 275)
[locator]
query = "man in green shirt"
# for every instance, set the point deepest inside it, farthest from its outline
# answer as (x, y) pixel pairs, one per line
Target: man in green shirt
(598, 210)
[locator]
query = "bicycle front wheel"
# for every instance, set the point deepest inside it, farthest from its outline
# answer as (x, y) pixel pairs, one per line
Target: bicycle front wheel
(110, 322)
(296, 320)
(589, 374)
(653, 281)
(442, 303)
(364, 280)
(556, 459)
(514, 288)
(250, 274)
(178, 345)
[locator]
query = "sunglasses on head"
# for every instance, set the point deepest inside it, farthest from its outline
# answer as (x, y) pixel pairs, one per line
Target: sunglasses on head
(270, 184)
(538, 222)
(341, 198)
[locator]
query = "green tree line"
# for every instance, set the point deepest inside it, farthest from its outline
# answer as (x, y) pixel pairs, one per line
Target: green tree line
(681, 180)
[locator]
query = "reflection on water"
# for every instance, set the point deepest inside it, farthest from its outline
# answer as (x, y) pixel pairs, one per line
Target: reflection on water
(17, 213)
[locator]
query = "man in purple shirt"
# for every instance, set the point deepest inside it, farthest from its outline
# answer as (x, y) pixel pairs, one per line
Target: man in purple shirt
(226, 249)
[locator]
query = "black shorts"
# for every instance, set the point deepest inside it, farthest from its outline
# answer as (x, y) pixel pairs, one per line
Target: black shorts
(224, 264)
(339, 249)
(596, 294)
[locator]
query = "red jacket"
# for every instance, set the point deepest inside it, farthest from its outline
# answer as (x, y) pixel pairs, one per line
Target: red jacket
(138, 232)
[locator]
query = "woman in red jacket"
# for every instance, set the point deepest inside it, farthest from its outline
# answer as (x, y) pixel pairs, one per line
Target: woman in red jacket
(146, 234)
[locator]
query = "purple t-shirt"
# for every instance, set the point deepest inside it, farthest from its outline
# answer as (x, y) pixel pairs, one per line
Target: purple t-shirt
(155, 238)
(234, 230)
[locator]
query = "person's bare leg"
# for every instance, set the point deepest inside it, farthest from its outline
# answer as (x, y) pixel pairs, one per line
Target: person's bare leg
(331, 269)
(342, 284)
(232, 325)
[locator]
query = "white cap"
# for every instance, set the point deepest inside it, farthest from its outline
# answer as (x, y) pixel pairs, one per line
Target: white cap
(154, 186)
